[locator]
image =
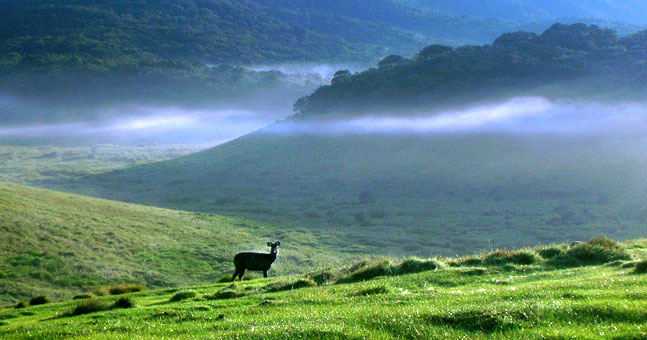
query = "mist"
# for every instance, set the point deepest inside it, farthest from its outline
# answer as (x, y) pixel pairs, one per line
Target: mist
(135, 124)
(522, 115)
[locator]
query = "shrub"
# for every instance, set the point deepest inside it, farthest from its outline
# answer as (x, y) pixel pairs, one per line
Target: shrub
(117, 290)
(500, 257)
(82, 296)
(224, 294)
(225, 279)
(87, 307)
(640, 267)
(322, 277)
(484, 321)
(380, 268)
(416, 265)
(123, 302)
(373, 291)
(549, 252)
(301, 283)
(38, 300)
(596, 251)
(123, 289)
(182, 295)
(20, 304)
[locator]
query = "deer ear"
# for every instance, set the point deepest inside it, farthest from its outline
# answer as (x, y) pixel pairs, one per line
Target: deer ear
(278, 243)
(269, 244)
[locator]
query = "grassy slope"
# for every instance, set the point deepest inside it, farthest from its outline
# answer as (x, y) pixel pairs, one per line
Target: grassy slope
(59, 244)
(442, 194)
(501, 302)
(39, 165)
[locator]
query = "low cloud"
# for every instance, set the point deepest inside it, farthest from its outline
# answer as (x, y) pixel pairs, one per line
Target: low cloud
(525, 115)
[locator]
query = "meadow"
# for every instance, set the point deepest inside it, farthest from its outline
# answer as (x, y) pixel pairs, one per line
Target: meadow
(586, 291)
(40, 165)
(58, 244)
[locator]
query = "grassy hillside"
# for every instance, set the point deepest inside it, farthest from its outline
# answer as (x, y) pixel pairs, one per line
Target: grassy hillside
(492, 296)
(37, 166)
(406, 194)
(59, 244)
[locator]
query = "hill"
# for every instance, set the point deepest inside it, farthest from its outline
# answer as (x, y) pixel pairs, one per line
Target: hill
(439, 191)
(564, 61)
(59, 244)
(475, 298)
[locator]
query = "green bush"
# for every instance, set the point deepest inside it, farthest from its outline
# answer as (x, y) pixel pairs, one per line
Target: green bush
(224, 294)
(301, 283)
(118, 290)
(640, 267)
(596, 251)
(225, 279)
(20, 304)
(500, 257)
(123, 302)
(87, 307)
(416, 265)
(549, 252)
(322, 277)
(381, 268)
(373, 291)
(182, 295)
(38, 300)
(82, 296)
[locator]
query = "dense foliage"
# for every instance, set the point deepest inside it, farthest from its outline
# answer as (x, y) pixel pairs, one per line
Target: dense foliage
(513, 62)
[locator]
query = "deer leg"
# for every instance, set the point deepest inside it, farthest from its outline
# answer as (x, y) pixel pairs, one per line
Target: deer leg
(265, 273)
(240, 274)
(235, 274)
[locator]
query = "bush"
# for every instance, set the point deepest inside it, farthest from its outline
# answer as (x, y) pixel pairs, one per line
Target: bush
(373, 291)
(183, 295)
(87, 307)
(596, 251)
(302, 283)
(322, 277)
(20, 304)
(82, 296)
(123, 289)
(416, 265)
(549, 252)
(224, 294)
(117, 290)
(123, 302)
(499, 257)
(640, 267)
(38, 300)
(225, 279)
(368, 272)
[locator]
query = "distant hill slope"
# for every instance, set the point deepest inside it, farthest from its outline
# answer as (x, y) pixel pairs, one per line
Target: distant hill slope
(144, 34)
(59, 244)
(564, 61)
(406, 194)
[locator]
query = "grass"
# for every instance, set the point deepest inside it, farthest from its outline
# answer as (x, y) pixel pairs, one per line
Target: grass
(62, 245)
(514, 301)
(43, 165)
(405, 195)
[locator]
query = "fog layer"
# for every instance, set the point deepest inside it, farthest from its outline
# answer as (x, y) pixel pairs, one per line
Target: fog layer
(523, 115)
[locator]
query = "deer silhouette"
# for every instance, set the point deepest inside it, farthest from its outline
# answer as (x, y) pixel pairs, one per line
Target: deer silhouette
(255, 261)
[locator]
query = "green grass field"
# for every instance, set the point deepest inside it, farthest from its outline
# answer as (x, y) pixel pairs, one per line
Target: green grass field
(59, 244)
(553, 292)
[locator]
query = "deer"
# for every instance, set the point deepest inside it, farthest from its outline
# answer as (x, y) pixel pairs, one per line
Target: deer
(255, 261)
